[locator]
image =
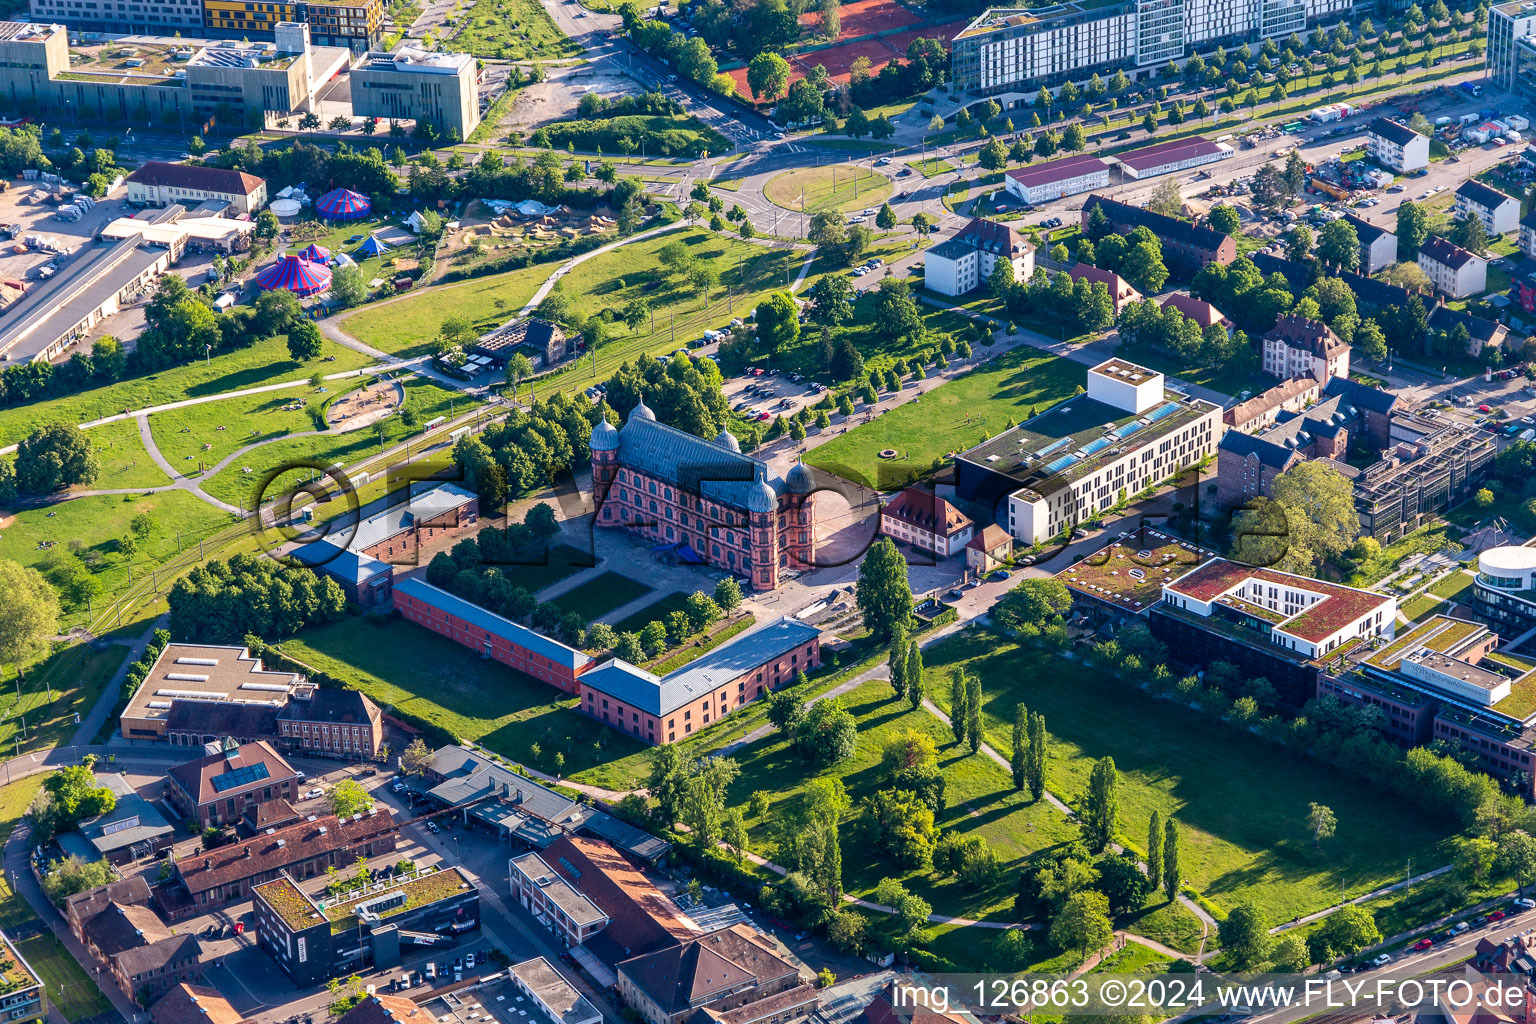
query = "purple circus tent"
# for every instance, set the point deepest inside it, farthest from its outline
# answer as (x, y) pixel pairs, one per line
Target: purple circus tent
(342, 204)
(298, 276)
(315, 253)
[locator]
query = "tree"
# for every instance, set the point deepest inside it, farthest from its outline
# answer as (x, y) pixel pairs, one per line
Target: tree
(1122, 883)
(959, 694)
(1338, 245)
(54, 456)
(1308, 516)
(1321, 824)
(778, 322)
(1517, 857)
(734, 832)
(1469, 233)
(1083, 923)
(304, 341)
(767, 75)
(896, 313)
(75, 794)
(1245, 934)
(1344, 932)
(912, 913)
(1155, 849)
(416, 758)
(1100, 805)
(1171, 878)
(896, 658)
(903, 826)
(973, 711)
(1036, 766)
(829, 732)
(1225, 219)
(519, 369)
(1412, 231)
(916, 688)
(994, 155)
(348, 798)
(1032, 607)
(29, 614)
(831, 301)
(1166, 198)
(882, 593)
(1298, 244)
(72, 875)
(885, 219)
(727, 594)
(1018, 762)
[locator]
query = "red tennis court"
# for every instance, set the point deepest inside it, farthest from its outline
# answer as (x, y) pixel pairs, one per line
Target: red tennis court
(865, 18)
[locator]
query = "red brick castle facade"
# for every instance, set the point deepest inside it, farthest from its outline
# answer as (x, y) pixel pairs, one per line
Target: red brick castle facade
(705, 498)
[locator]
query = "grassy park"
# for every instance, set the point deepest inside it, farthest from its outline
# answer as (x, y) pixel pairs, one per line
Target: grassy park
(656, 611)
(980, 797)
(240, 480)
(98, 522)
(950, 418)
(124, 460)
(266, 362)
(406, 327)
(452, 686)
(1240, 803)
(833, 187)
(512, 30)
(234, 423)
(53, 691)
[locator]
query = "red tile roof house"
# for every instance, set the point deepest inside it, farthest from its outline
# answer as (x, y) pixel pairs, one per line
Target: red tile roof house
(216, 789)
(1120, 291)
(1307, 616)
(927, 522)
(144, 957)
(734, 973)
(989, 549)
(1198, 310)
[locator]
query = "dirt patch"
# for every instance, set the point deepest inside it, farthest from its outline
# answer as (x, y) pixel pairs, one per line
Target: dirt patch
(555, 98)
(6, 520)
(364, 406)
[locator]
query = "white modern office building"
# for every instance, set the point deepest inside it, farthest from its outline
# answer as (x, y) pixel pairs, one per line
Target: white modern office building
(1020, 49)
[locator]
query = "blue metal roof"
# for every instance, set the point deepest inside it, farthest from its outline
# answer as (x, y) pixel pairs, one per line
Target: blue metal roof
(493, 624)
(731, 660)
(343, 563)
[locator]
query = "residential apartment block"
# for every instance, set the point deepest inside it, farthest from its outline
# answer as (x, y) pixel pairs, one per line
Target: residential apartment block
(1298, 347)
(966, 261)
(1016, 50)
(1084, 454)
(1396, 146)
(1500, 213)
(1378, 246)
(1121, 294)
(1453, 270)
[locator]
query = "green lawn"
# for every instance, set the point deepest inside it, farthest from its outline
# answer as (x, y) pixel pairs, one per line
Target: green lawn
(266, 362)
(1452, 586)
(69, 987)
(233, 423)
(656, 611)
(833, 187)
(879, 351)
(125, 462)
(335, 238)
(233, 484)
(980, 797)
(561, 562)
(98, 522)
(597, 597)
(950, 418)
(1239, 802)
(53, 691)
(407, 327)
(512, 30)
(446, 683)
(1422, 607)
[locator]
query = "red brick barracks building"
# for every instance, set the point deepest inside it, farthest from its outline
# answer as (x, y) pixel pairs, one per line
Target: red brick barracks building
(704, 498)
(656, 709)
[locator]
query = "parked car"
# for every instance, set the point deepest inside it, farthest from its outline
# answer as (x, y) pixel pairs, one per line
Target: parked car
(1382, 960)
(1525, 904)
(1480, 920)
(433, 827)
(1422, 945)
(1496, 915)
(1459, 927)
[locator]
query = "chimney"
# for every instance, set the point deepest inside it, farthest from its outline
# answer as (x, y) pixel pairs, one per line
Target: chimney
(207, 863)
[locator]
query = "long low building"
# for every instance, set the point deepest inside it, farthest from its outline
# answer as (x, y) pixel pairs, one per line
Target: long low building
(1169, 157)
(1039, 183)
(614, 691)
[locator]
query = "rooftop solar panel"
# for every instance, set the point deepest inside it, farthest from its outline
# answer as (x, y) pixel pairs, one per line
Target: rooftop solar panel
(240, 777)
(1129, 429)
(1053, 447)
(1162, 411)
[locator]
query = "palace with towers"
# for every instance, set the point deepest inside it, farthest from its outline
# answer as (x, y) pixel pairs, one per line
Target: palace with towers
(705, 500)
